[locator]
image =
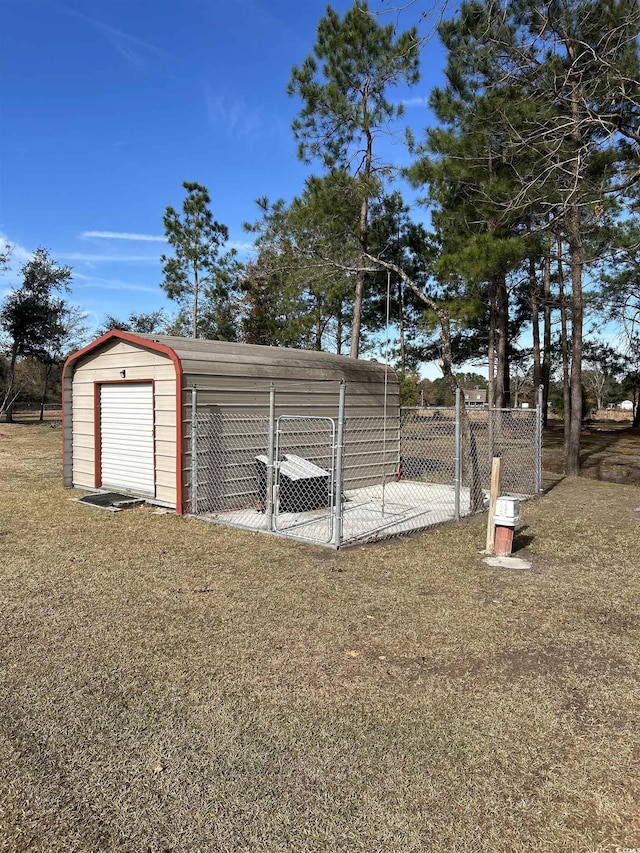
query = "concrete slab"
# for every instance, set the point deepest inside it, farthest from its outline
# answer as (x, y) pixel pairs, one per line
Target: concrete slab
(508, 563)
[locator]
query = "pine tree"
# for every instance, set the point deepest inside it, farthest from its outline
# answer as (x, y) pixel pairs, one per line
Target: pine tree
(573, 145)
(198, 269)
(295, 288)
(344, 86)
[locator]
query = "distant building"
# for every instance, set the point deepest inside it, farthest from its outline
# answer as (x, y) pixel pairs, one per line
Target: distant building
(475, 396)
(626, 406)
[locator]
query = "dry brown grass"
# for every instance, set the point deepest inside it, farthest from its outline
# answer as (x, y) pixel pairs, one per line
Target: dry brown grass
(170, 685)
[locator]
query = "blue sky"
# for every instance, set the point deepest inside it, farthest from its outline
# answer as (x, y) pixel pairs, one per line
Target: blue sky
(108, 106)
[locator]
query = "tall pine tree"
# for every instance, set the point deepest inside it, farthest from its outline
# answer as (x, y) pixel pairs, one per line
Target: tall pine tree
(344, 87)
(198, 270)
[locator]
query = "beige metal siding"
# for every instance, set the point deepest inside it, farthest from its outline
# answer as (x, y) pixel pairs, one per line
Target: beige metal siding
(234, 379)
(237, 376)
(104, 365)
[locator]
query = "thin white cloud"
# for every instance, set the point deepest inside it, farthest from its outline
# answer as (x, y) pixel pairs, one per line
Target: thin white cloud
(135, 50)
(19, 254)
(124, 235)
(230, 113)
(415, 102)
(240, 245)
(240, 119)
(263, 18)
(233, 114)
(82, 257)
(93, 319)
(93, 283)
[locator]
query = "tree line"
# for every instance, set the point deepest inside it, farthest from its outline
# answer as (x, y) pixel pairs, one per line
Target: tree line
(530, 180)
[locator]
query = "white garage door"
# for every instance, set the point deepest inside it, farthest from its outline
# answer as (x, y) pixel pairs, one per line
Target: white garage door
(126, 429)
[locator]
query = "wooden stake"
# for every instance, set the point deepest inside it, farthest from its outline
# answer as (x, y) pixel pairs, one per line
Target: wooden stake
(493, 497)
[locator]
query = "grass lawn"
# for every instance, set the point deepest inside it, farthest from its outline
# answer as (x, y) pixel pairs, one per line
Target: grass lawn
(170, 685)
(609, 451)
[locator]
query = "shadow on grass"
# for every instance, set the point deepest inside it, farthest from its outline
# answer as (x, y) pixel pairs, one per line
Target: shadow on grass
(605, 450)
(50, 419)
(522, 539)
(550, 480)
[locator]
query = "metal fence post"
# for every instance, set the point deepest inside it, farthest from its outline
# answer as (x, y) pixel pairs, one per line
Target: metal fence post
(336, 539)
(539, 419)
(457, 476)
(270, 457)
(194, 450)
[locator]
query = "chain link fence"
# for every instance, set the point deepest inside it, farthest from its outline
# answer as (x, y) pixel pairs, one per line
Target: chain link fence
(346, 480)
(398, 475)
(514, 435)
(225, 476)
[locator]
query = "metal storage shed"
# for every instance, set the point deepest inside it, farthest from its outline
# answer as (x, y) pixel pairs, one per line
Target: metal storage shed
(128, 403)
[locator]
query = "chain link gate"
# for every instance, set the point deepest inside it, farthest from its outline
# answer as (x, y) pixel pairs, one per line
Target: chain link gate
(304, 497)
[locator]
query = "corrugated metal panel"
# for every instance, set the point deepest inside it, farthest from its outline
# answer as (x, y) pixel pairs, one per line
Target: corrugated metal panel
(202, 357)
(126, 427)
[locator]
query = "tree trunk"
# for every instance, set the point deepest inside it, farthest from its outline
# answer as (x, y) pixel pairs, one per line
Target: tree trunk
(9, 396)
(503, 391)
(363, 240)
(491, 366)
(546, 345)
(318, 335)
(45, 387)
(535, 323)
(194, 318)
(564, 347)
(339, 330)
(471, 447)
(576, 262)
(491, 347)
(403, 344)
(360, 274)
(577, 310)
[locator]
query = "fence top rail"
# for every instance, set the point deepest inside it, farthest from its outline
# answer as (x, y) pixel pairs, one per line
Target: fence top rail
(512, 410)
(305, 418)
(469, 408)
